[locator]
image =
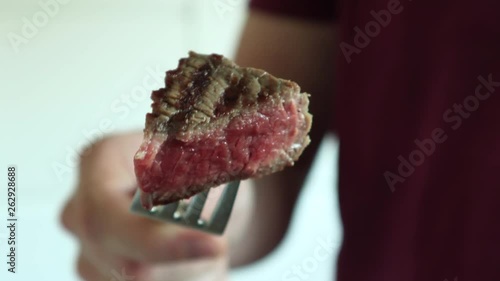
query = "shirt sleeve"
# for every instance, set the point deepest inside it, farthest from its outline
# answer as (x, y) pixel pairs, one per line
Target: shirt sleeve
(308, 9)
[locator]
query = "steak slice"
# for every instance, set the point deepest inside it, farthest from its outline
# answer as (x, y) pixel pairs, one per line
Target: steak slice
(216, 122)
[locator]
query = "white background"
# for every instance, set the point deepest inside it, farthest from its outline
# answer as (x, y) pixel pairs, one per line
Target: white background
(84, 67)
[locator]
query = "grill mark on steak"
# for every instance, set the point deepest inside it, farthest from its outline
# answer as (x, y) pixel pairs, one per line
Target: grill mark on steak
(230, 97)
(193, 90)
(216, 122)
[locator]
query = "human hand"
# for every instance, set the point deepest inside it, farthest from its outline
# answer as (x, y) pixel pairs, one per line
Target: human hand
(116, 245)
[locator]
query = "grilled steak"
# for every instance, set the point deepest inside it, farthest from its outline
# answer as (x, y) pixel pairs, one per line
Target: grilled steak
(216, 122)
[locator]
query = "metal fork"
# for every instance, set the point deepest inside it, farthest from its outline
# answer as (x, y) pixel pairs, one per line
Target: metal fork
(189, 213)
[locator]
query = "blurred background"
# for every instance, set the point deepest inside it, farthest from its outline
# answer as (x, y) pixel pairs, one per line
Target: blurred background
(72, 71)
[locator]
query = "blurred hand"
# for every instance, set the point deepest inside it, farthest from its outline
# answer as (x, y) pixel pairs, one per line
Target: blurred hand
(116, 245)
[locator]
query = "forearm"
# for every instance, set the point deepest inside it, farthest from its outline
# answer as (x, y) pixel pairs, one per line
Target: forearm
(262, 214)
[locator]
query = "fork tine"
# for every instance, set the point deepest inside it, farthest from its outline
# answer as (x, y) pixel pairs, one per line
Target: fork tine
(195, 208)
(220, 217)
(168, 210)
(158, 212)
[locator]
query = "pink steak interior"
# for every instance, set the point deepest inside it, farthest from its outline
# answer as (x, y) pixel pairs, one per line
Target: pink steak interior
(251, 141)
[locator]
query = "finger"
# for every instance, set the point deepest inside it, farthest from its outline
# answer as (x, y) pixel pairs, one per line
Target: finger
(199, 270)
(102, 260)
(87, 271)
(112, 267)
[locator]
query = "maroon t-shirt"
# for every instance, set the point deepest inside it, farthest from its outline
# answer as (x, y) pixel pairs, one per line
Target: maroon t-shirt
(418, 118)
